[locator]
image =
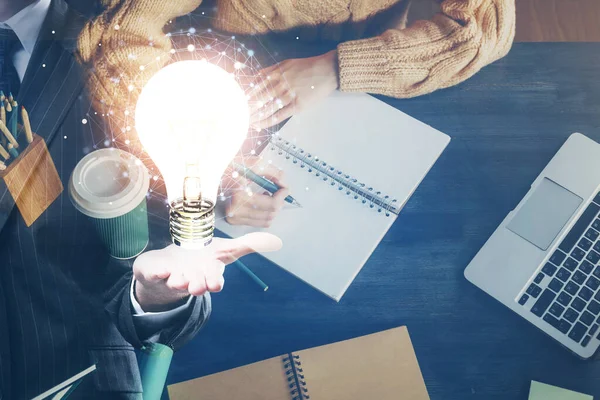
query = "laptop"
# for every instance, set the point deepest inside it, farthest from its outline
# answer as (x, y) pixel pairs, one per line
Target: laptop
(543, 260)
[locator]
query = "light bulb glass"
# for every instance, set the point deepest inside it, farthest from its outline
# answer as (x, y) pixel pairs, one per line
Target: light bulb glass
(191, 118)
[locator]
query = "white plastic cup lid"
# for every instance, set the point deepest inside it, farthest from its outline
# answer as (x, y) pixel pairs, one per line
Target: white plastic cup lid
(108, 183)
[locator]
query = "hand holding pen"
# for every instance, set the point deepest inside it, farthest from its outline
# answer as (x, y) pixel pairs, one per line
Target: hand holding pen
(263, 181)
(251, 208)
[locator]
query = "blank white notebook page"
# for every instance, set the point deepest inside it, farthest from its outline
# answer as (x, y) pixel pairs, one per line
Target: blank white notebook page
(328, 240)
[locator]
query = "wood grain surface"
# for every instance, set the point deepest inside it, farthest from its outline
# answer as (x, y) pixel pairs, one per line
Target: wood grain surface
(558, 21)
(541, 20)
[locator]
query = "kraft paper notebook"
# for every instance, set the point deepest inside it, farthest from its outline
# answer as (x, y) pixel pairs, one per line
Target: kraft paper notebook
(352, 161)
(380, 366)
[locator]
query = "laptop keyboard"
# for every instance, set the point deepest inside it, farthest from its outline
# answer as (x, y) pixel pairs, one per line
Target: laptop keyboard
(566, 292)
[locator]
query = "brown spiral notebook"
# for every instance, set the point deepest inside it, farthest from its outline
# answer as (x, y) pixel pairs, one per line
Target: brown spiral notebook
(380, 366)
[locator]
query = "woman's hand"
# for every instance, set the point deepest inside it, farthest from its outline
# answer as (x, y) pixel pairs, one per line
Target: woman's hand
(164, 277)
(288, 87)
(256, 209)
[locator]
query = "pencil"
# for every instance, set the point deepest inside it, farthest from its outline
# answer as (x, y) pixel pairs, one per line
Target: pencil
(8, 135)
(4, 153)
(2, 96)
(12, 151)
(2, 166)
(27, 125)
(14, 117)
(251, 274)
(10, 97)
(3, 119)
(7, 105)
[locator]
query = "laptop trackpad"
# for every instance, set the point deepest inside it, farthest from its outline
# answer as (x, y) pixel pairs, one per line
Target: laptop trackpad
(544, 214)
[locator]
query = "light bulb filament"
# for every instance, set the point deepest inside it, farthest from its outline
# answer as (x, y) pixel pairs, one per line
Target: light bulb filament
(192, 194)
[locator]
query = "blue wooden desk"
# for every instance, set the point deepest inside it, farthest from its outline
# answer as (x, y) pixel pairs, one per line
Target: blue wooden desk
(506, 123)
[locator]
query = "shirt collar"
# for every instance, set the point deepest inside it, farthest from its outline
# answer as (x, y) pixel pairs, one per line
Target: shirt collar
(27, 23)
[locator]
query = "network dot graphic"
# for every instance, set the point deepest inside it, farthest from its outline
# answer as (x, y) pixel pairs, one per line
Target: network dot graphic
(225, 51)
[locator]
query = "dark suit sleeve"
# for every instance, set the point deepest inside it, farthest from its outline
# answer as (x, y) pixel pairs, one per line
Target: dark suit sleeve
(117, 300)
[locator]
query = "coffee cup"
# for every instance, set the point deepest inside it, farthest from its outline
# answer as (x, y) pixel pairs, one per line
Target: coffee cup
(110, 187)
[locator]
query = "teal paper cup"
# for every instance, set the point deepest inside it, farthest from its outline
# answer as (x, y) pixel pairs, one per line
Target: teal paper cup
(154, 360)
(110, 187)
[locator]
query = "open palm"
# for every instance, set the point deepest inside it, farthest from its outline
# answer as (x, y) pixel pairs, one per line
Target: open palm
(173, 273)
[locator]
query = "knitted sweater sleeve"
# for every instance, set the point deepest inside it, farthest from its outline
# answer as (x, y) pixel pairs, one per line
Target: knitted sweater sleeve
(125, 45)
(429, 55)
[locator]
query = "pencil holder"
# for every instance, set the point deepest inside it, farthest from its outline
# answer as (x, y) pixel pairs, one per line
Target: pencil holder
(32, 180)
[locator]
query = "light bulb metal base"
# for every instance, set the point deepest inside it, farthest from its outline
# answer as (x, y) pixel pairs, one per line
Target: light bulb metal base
(192, 227)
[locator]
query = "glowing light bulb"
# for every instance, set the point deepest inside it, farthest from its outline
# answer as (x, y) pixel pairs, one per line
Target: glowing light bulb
(191, 118)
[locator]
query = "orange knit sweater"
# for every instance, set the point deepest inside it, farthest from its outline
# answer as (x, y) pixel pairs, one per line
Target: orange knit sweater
(428, 55)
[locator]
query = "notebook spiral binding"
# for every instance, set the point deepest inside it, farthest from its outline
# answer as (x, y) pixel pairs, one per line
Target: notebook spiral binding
(358, 190)
(295, 377)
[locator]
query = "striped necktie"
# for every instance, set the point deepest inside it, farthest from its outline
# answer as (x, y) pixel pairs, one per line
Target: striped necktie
(9, 79)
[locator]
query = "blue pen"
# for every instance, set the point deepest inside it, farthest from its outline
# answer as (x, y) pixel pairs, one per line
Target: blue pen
(261, 181)
(251, 274)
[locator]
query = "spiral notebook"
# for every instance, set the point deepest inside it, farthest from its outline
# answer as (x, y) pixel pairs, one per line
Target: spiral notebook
(381, 366)
(352, 161)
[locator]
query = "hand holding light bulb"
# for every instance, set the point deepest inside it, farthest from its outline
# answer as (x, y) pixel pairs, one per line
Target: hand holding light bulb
(192, 144)
(166, 276)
